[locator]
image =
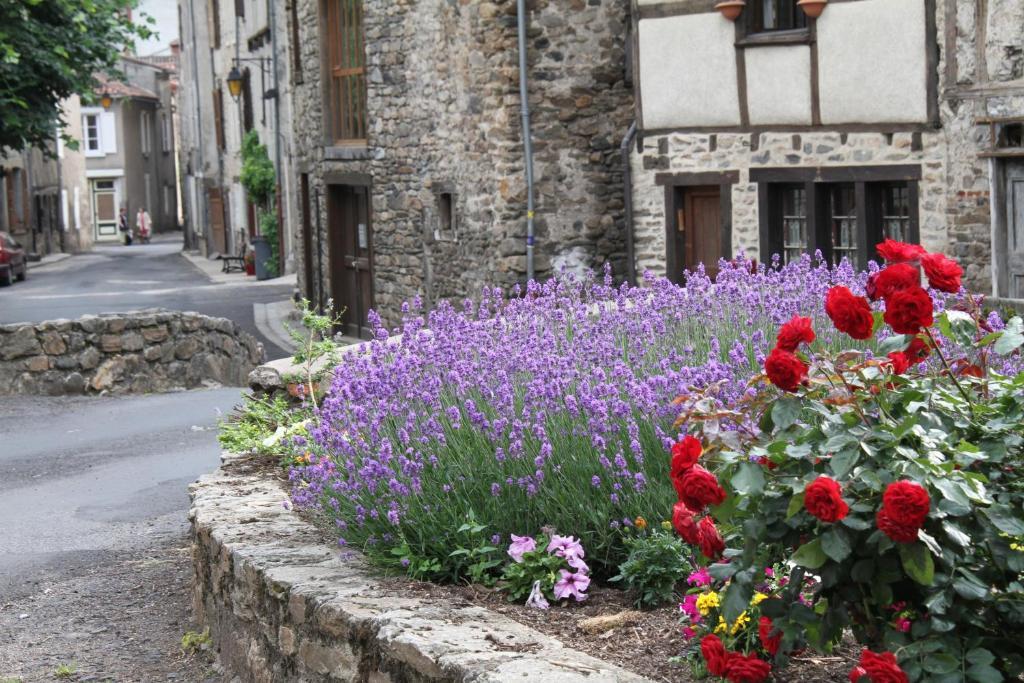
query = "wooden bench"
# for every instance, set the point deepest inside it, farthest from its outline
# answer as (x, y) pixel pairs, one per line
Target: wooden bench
(230, 264)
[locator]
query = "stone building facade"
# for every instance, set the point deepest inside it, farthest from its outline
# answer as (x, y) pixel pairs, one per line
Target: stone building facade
(781, 133)
(423, 192)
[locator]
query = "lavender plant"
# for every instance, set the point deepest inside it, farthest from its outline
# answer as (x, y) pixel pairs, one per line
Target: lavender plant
(552, 408)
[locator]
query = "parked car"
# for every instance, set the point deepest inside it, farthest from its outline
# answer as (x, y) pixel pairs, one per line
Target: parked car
(13, 263)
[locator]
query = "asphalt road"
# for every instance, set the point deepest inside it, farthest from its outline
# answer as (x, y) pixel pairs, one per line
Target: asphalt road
(115, 279)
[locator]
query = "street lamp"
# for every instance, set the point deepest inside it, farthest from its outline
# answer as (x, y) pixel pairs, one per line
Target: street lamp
(106, 100)
(235, 82)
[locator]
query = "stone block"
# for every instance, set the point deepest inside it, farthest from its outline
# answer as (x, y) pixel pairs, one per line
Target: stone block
(154, 334)
(132, 341)
(74, 384)
(110, 343)
(21, 342)
(336, 661)
(115, 325)
(186, 348)
(38, 364)
(107, 374)
(53, 344)
(89, 358)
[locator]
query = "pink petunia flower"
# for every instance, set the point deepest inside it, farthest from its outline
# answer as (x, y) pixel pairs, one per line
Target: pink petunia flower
(537, 598)
(689, 633)
(565, 546)
(521, 545)
(571, 585)
(689, 607)
(699, 578)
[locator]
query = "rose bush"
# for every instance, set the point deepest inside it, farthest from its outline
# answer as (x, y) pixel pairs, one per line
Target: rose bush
(896, 485)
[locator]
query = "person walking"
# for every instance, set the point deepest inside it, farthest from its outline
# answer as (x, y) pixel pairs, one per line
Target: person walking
(144, 224)
(126, 230)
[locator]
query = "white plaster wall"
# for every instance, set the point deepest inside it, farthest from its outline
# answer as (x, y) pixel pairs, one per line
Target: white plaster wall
(872, 62)
(688, 72)
(779, 84)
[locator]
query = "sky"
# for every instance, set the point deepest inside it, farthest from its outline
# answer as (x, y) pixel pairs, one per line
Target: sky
(166, 14)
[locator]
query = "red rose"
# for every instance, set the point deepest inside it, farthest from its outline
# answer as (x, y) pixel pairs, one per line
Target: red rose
(710, 541)
(899, 361)
(901, 533)
(917, 350)
(746, 668)
(943, 273)
(906, 503)
(698, 488)
(823, 498)
(685, 454)
(900, 252)
(849, 313)
(785, 370)
(683, 523)
(892, 279)
(908, 310)
(794, 332)
(714, 654)
(881, 667)
(769, 642)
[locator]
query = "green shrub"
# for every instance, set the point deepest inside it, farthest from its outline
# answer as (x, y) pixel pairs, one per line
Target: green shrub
(654, 567)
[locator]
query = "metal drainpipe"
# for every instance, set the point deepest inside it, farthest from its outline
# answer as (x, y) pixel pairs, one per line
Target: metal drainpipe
(277, 138)
(198, 208)
(627, 202)
(527, 142)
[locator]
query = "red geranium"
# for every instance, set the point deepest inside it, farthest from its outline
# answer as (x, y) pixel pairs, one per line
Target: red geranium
(793, 333)
(849, 313)
(900, 252)
(892, 279)
(943, 273)
(899, 361)
(881, 667)
(769, 642)
(698, 488)
(785, 370)
(746, 668)
(715, 657)
(909, 310)
(906, 503)
(684, 455)
(684, 524)
(709, 540)
(823, 498)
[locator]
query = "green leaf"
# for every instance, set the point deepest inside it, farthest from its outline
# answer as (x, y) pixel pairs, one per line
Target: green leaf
(956, 534)
(856, 523)
(810, 555)
(1004, 520)
(835, 545)
(1008, 342)
(980, 655)
(984, 673)
(737, 599)
(969, 589)
(785, 412)
(950, 491)
(917, 563)
(749, 479)
(842, 463)
(896, 342)
(940, 663)
(720, 571)
(796, 504)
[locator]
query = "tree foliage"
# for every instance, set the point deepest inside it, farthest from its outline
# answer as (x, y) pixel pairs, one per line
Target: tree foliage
(50, 50)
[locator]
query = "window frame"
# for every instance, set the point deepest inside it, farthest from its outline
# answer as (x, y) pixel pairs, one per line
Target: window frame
(344, 66)
(868, 184)
(89, 151)
(754, 20)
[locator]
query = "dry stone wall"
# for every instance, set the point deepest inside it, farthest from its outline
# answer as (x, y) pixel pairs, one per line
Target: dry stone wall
(444, 115)
(146, 351)
(282, 606)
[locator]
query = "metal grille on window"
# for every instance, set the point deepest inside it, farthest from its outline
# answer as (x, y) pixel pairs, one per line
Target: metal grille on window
(778, 15)
(348, 72)
(794, 222)
(843, 204)
(896, 212)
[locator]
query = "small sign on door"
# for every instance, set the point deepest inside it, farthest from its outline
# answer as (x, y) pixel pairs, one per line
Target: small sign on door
(364, 241)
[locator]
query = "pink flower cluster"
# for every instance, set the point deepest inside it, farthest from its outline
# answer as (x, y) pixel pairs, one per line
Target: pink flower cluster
(572, 583)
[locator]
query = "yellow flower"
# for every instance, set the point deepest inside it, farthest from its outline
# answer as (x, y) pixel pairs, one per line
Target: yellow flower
(741, 621)
(640, 523)
(722, 626)
(666, 525)
(1016, 546)
(758, 599)
(706, 602)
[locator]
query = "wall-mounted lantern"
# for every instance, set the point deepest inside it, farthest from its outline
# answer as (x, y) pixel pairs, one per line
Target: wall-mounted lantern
(106, 100)
(235, 82)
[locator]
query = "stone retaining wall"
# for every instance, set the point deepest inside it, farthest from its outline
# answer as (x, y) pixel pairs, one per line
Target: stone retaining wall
(282, 606)
(144, 351)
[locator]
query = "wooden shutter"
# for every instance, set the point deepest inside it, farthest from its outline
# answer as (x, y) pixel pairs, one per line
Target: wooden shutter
(346, 61)
(215, 22)
(218, 116)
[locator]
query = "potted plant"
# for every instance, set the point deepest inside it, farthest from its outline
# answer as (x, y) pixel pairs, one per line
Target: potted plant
(813, 8)
(250, 261)
(731, 9)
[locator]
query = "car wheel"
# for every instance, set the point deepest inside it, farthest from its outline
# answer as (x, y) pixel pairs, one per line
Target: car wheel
(6, 278)
(23, 274)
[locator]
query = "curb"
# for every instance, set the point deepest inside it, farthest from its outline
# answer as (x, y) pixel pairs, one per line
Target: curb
(282, 606)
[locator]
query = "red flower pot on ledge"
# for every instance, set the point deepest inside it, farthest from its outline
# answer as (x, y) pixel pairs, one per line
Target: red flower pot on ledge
(731, 9)
(813, 8)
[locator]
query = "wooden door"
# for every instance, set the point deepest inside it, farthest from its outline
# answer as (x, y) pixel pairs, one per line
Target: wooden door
(351, 256)
(695, 234)
(215, 202)
(309, 290)
(104, 210)
(1015, 229)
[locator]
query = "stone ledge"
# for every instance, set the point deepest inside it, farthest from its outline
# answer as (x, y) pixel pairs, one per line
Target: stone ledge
(282, 606)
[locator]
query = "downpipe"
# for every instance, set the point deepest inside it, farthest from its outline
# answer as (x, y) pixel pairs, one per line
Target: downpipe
(527, 139)
(627, 202)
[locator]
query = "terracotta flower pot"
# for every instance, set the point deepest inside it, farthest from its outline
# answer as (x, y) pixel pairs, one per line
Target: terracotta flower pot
(731, 9)
(813, 8)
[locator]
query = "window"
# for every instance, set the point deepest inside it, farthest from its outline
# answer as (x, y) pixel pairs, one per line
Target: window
(146, 131)
(165, 132)
(91, 131)
(346, 109)
(296, 45)
(843, 212)
(776, 15)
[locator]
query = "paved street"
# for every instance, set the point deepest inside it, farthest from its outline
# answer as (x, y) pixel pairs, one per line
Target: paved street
(116, 278)
(94, 564)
